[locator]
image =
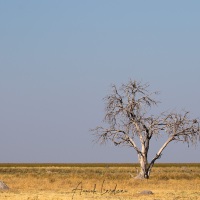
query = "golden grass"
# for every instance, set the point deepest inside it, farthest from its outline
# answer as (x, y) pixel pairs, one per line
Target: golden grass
(98, 181)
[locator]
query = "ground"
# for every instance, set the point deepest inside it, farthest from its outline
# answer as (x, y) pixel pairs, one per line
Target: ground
(98, 181)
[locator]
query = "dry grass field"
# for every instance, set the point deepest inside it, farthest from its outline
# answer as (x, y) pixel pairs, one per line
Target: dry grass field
(99, 182)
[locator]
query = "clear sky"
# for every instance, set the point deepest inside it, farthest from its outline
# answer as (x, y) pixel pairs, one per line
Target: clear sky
(59, 58)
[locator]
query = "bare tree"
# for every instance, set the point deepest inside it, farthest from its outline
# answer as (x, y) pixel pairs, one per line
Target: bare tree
(128, 117)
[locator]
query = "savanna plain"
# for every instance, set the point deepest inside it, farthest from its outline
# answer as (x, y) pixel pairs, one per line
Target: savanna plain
(99, 181)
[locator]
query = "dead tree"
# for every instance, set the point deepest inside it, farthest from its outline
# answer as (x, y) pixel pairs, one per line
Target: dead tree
(127, 114)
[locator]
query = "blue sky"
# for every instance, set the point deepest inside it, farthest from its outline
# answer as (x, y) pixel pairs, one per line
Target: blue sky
(59, 58)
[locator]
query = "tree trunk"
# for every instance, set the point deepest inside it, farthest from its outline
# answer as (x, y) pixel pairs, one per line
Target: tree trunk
(144, 167)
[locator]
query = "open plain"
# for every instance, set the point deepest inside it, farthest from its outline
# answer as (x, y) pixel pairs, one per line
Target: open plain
(99, 181)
